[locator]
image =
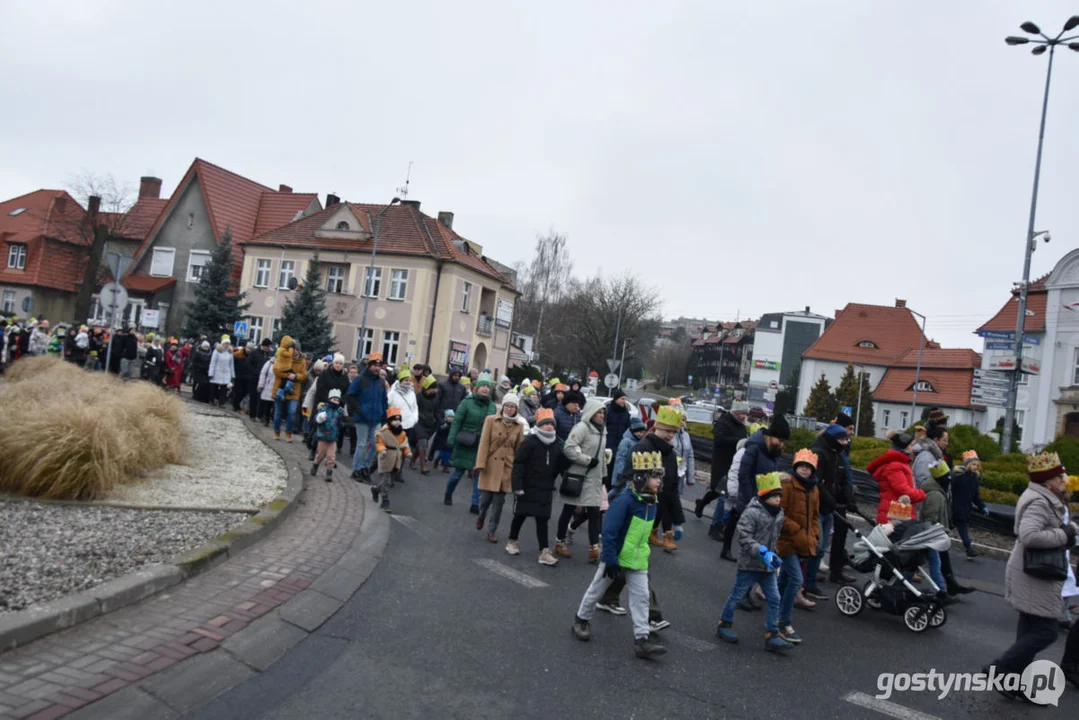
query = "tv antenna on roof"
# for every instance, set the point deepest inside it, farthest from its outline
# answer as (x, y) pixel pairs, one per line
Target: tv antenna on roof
(403, 191)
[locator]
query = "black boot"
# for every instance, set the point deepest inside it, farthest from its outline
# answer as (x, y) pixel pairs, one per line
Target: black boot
(698, 509)
(647, 647)
(448, 500)
(954, 588)
(716, 532)
(581, 629)
(357, 476)
(374, 492)
(314, 469)
(329, 475)
(943, 600)
(385, 503)
(726, 554)
(840, 577)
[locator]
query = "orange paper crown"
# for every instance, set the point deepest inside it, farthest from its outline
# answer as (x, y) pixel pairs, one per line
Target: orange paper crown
(970, 455)
(806, 456)
(900, 511)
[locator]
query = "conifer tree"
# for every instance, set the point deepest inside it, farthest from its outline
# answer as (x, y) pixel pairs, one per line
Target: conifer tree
(218, 302)
(866, 426)
(304, 315)
(821, 403)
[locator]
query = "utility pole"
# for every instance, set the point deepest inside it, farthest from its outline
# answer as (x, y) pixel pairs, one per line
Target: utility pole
(858, 414)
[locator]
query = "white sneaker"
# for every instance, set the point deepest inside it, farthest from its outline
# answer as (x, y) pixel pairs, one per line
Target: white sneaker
(823, 566)
(546, 557)
(657, 625)
(569, 536)
(512, 548)
(613, 608)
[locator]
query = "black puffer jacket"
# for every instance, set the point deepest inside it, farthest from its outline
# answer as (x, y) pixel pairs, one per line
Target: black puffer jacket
(832, 474)
(427, 404)
(200, 365)
(618, 421)
(727, 432)
(330, 379)
(450, 395)
(534, 471)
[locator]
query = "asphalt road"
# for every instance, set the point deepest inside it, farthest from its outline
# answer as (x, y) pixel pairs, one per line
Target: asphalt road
(436, 634)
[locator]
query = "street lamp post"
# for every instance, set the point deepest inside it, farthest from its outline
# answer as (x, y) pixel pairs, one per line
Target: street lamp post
(1042, 43)
(371, 271)
(858, 412)
(917, 370)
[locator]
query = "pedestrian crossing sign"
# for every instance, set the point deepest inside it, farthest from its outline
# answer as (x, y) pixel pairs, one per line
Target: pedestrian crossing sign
(240, 328)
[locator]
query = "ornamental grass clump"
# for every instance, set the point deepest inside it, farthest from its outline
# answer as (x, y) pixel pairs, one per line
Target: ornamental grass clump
(74, 435)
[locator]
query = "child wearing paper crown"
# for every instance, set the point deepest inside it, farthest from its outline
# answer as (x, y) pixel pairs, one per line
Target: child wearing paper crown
(800, 505)
(441, 453)
(391, 444)
(626, 529)
(966, 494)
(758, 532)
(328, 418)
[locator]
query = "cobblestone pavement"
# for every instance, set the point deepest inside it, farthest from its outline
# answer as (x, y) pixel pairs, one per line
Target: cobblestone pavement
(63, 672)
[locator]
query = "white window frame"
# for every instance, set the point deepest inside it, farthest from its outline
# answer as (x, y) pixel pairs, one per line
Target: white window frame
(9, 301)
(364, 347)
(263, 268)
(398, 284)
(1075, 371)
(904, 419)
(276, 329)
(163, 252)
(192, 277)
(391, 345)
(254, 330)
(16, 256)
(132, 314)
(886, 418)
(335, 279)
(924, 386)
(1020, 418)
(283, 275)
(466, 297)
(368, 275)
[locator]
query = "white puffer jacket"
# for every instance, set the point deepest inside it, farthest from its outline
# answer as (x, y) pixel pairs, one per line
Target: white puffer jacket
(732, 474)
(404, 398)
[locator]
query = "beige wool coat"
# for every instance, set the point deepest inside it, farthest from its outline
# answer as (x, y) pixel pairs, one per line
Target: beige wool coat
(1039, 519)
(499, 441)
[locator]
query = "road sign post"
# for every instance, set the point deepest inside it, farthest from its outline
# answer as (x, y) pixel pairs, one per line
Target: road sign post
(240, 328)
(611, 381)
(117, 299)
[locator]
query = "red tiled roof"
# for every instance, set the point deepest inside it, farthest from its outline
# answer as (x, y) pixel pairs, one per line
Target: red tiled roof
(137, 222)
(951, 388)
(1037, 301)
(143, 283)
(51, 227)
(278, 208)
(893, 330)
(963, 358)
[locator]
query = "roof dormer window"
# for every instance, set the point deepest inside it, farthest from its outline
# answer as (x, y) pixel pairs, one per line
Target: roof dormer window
(868, 345)
(922, 386)
(16, 212)
(343, 225)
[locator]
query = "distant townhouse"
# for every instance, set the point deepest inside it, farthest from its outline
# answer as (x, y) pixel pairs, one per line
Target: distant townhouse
(431, 296)
(780, 339)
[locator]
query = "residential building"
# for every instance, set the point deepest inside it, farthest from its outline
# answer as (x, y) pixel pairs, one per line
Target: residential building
(723, 355)
(778, 344)
(208, 202)
(521, 352)
(944, 380)
(44, 238)
(431, 297)
(1047, 404)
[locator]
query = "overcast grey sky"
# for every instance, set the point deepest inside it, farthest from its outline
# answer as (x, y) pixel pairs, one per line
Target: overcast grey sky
(746, 157)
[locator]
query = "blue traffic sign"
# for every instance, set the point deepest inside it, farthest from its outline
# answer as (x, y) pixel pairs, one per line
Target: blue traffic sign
(240, 328)
(847, 410)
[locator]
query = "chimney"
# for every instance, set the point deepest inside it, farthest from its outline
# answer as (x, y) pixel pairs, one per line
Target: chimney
(900, 303)
(149, 187)
(60, 204)
(93, 206)
(332, 199)
(807, 310)
(446, 218)
(284, 188)
(411, 203)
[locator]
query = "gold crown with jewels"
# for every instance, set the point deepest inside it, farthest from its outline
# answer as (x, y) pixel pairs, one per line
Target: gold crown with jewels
(647, 461)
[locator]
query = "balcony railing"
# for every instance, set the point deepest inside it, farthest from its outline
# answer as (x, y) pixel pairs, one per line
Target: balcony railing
(484, 326)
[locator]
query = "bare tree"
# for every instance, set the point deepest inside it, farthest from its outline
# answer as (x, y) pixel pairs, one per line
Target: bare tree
(106, 217)
(603, 308)
(544, 282)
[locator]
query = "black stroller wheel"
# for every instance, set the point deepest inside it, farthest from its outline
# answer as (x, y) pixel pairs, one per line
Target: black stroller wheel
(916, 618)
(849, 600)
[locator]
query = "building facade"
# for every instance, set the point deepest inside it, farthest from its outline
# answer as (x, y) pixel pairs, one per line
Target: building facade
(778, 343)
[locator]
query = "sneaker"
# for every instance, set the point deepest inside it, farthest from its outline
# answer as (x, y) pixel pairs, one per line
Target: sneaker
(329, 476)
(841, 577)
(277, 435)
(774, 643)
(314, 470)
(678, 533)
(757, 595)
(512, 547)
(972, 553)
(546, 557)
(725, 633)
(613, 608)
(385, 507)
(561, 550)
(491, 538)
(824, 566)
(657, 625)
(569, 536)
(815, 594)
(801, 601)
(647, 648)
(582, 629)
(788, 634)
(726, 555)
(374, 493)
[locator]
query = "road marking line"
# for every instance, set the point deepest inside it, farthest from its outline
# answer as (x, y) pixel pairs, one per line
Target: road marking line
(411, 523)
(509, 573)
(687, 641)
(884, 707)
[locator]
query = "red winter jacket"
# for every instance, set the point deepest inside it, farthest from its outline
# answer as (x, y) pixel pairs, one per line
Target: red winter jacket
(892, 473)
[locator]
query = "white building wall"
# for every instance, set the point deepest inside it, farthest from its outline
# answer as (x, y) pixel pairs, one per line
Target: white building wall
(899, 417)
(833, 370)
(767, 346)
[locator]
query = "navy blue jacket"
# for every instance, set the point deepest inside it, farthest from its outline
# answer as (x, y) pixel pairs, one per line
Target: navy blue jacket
(618, 421)
(564, 421)
(369, 394)
(965, 495)
(755, 461)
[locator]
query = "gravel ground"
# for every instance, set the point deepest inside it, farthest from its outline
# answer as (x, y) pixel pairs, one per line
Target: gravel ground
(229, 468)
(54, 550)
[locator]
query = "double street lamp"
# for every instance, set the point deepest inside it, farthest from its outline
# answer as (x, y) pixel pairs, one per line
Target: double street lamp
(1042, 42)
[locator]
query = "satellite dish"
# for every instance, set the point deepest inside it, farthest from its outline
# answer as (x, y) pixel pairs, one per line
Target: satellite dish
(292, 283)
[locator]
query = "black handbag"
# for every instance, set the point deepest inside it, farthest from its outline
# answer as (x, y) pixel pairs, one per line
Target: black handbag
(1046, 563)
(573, 483)
(467, 439)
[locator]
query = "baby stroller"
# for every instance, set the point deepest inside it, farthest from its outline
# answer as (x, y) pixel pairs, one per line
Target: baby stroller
(887, 558)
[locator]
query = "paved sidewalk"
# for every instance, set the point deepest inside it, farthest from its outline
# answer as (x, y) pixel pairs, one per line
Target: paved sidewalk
(61, 673)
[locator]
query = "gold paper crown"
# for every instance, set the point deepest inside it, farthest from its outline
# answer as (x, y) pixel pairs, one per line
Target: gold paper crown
(647, 461)
(669, 416)
(938, 469)
(970, 455)
(769, 483)
(806, 456)
(1044, 466)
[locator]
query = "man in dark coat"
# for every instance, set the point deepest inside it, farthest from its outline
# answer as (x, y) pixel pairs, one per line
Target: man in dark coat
(727, 430)
(618, 422)
(834, 498)
(660, 439)
(256, 358)
(763, 449)
(450, 394)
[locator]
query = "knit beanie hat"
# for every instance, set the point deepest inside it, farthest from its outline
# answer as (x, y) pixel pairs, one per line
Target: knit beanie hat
(779, 428)
(900, 440)
(484, 380)
(618, 392)
(339, 358)
(511, 399)
(573, 396)
(844, 420)
(544, 416)
(449, 414)
(637, 426)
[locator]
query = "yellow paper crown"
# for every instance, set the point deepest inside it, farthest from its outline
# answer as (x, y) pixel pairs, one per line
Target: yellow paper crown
(1044, 466)
(769, 483)
(938, 469)
(669, 416)
(806, 456)
(647, 461)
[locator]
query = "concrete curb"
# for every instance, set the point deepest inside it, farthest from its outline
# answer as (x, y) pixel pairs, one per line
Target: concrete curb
(25, 626)
(195, 682)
